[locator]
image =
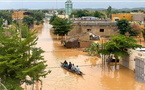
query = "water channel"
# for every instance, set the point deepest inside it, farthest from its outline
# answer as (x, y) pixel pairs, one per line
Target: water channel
(97, 76)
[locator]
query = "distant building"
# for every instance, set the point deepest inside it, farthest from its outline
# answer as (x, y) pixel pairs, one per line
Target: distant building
(68, 7)
(63, 16)
(19, 14)
(133, 17)
(48, 16)
(127, 16)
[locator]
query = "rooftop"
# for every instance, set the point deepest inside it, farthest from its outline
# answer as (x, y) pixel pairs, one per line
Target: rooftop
(95, 22)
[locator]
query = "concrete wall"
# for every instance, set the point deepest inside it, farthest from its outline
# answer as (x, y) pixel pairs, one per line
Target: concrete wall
(95, 29)
(126, 16)
(85, 44)
(108, 30)
(138, 17)
(129, 60)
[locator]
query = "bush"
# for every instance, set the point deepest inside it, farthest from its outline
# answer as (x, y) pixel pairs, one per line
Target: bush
(37, 23)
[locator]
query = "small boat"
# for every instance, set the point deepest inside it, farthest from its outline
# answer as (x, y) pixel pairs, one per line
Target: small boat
(66, 68)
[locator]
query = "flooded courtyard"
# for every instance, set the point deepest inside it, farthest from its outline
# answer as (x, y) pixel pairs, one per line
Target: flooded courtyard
(97, 76)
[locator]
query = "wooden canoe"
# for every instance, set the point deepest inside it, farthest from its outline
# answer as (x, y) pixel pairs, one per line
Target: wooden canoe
(66, 68)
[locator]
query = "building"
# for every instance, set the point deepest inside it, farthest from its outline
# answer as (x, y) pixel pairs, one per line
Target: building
(68, 7)
(135, 61)
(19, 15)
(127, 16)
(48, 16)
(63, 16)
(138, 17)
(133, 17)
(98, 28)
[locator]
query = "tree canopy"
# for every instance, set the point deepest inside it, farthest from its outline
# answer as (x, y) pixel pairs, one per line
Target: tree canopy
(61, 26)
(6, 15)
(38, 16)
(81, 13)
(20, 61)
(93, 49)
(1, 21)
(52, 19)
(123, 26)
(118, 46)
(109, 12)
(29, 21)
(99, 14)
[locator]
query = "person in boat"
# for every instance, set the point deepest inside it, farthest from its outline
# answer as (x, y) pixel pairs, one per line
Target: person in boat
(70, 65)
(77, 69)
(65, 64)
(73, 67)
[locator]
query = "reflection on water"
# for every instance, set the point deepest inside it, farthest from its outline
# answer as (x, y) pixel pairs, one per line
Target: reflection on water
(97, 76)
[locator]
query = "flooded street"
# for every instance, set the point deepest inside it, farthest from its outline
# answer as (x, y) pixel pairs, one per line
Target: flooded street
(97, 77)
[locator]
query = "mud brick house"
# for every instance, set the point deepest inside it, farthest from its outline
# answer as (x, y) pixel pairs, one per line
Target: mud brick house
(98, 28)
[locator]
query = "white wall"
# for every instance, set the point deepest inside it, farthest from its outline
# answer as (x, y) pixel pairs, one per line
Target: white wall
(129, 60)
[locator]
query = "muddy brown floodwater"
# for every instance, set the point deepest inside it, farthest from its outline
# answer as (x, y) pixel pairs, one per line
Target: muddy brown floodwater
(97, 76)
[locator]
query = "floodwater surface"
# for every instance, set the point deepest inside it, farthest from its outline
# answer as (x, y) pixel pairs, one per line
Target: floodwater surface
(97, 76)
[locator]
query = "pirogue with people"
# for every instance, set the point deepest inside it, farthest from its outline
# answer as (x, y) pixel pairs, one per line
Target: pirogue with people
(66, 68)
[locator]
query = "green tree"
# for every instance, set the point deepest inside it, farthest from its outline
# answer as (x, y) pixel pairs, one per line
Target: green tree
(20, 61)
(81, 13)
(118, 46)
(123, 26)
(37, 23)
(37, 16)
(61, 26)
(93, 49)
(9, 19)
(1, 21)
(52, 19)
(29, 21)
(99, 14)
(109, 12)
(24, 30)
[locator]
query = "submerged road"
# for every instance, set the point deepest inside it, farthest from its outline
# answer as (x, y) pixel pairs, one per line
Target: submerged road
(97, 77)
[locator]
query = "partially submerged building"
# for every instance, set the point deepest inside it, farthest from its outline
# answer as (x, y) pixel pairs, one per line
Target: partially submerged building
(136, 62)
(98, 28)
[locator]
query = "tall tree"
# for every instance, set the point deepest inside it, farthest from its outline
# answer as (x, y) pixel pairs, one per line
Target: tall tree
(19, 61)
(109, 12)
(123, 26)
(118, 46)
(61, 26)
